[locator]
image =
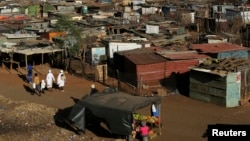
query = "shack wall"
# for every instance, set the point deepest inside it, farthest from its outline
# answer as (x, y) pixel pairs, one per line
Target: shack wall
(224, 91)
(150, 74)
(236, 54)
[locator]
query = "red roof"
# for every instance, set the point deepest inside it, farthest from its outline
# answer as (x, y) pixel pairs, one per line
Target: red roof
(185, 56)
(145, 58)
(4, 17)
(217, 48)
(182, 55)
(142, 56)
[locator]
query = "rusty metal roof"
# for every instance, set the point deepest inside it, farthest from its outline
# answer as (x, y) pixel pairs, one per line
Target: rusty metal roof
(217, 48)
(181, 55)
(143, 56)
(185, 56)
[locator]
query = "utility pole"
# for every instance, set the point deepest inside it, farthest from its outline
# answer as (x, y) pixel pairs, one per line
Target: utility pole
(247, 38)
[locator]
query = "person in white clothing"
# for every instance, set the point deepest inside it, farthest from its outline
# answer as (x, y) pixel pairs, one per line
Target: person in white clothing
(61, 78)
(49, 80)
(43, 85)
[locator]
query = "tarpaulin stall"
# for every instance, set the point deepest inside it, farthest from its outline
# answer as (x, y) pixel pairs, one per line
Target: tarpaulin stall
(116, 108)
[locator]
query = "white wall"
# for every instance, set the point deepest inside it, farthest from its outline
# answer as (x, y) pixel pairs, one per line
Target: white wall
(149, 10)
(118, 46)
(246, 14)
(152, 29)
(135, 2)
(211, 41)
(4, 11)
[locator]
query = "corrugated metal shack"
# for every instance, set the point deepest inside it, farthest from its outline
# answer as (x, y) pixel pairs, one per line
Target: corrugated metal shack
(177, 68)
(228, 61)
(180, 61)
(151, 68)
(140, 66)
(224, 82)
(221, 50)
(209, 87)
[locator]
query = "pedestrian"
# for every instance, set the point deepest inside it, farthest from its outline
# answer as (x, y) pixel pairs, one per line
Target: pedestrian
(43, 85)
(61, 78)
(36, 84)
(93, 89)
(49, 80)
(29, 73)
(144, 131)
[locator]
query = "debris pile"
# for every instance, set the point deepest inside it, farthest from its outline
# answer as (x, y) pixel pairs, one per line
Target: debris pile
(30, 122)
(225, 65)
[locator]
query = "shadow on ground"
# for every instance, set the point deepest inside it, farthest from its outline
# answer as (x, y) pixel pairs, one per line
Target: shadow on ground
(29, 89)
(61, 118)
(23, 77)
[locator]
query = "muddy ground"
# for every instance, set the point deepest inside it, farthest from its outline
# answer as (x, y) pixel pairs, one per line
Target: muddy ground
(27, 117)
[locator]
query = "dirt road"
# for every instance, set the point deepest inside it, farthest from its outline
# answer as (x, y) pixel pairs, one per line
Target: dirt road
(183, 119)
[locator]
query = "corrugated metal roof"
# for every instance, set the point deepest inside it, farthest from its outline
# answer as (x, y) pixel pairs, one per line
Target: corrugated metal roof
(185, 56)
(143, 56)
(181, 55)
(217, 48)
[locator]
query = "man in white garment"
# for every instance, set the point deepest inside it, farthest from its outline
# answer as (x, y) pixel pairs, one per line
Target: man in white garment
(61, 80)
(49, 80)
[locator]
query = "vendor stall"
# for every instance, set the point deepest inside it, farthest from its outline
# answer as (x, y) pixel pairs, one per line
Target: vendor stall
(118, 109)
(151, 121)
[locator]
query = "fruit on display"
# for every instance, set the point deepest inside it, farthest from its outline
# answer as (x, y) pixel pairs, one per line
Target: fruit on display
(150, 119)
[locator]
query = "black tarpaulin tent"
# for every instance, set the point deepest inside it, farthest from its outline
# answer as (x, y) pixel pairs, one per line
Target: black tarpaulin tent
(116, 108)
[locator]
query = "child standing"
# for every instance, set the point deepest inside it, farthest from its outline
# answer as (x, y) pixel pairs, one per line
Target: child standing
(144, 131)
(43, 85)
(36, 84)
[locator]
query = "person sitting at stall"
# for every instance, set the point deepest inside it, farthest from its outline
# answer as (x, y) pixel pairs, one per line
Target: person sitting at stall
(155, 111)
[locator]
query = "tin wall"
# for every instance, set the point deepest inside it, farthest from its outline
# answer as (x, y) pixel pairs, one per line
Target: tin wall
(179, 66)
(150, 73)
(224, 91)
(146, 74)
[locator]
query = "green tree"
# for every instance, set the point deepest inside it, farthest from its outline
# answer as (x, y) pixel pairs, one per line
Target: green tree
(73, 43)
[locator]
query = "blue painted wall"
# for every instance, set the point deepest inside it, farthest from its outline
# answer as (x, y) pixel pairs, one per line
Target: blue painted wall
(236, 54)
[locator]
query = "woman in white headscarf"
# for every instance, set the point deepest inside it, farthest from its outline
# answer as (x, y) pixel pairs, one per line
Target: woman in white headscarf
(61, 78)
(49, 80)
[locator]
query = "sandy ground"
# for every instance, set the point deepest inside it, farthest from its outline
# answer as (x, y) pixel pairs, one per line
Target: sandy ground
(183, 119)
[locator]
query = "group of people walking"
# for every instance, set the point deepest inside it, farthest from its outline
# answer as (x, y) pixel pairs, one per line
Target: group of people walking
(50, 79)
(39, 85)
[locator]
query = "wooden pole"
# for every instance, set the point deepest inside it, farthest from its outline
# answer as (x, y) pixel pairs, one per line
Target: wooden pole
(52, 58)
(42, 58)
(104, 74)
(26, 61)
(159, 110)
(118, 77)
(140, 85)
(62, 59)
(11, 60)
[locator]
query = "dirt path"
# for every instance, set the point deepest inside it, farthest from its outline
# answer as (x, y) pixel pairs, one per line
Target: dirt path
(184, 119)
(14, 86)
